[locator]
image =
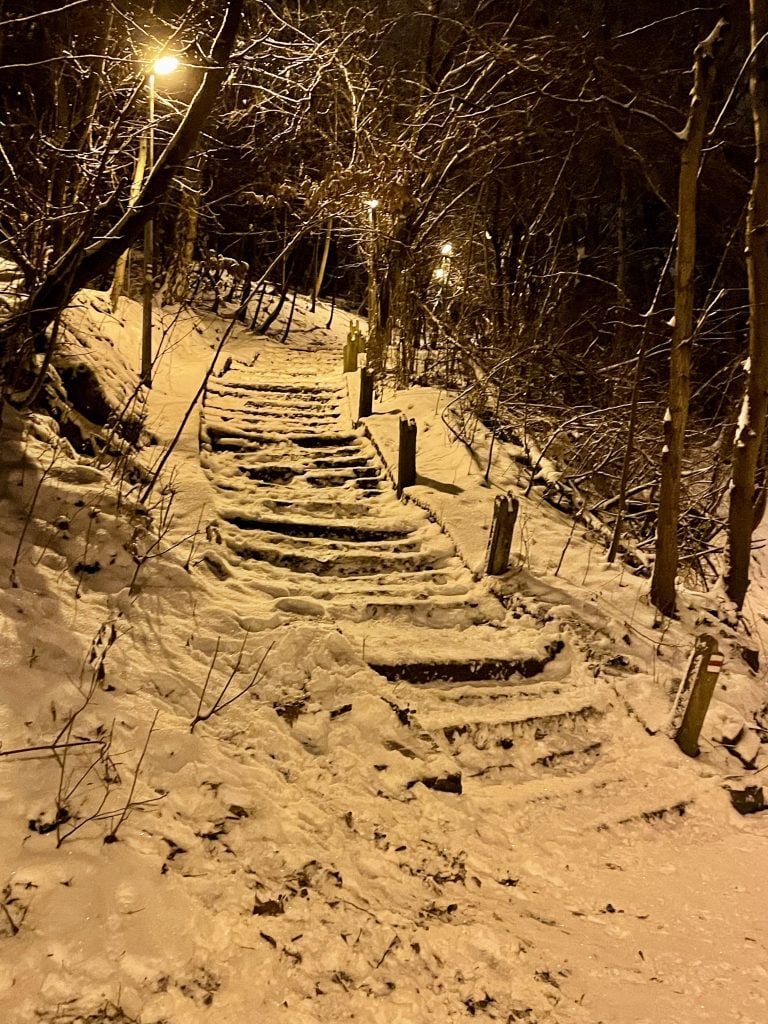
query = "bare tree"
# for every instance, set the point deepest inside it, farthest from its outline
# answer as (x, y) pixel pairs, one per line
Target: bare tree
(692, 138)
(747, 497)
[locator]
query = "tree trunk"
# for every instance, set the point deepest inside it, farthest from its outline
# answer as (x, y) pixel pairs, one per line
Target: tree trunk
(185, 237)
(118, 281)
(745, 495)
(318, 284)
(675, 419)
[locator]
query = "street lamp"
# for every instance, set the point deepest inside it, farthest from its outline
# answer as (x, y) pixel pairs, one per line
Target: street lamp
(165, 65)
(446, 252)
(373, 294)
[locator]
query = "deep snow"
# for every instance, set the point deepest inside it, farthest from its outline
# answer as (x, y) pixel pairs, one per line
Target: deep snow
(285, 861)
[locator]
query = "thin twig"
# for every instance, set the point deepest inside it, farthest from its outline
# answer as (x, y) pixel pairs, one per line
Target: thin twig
(112, 837)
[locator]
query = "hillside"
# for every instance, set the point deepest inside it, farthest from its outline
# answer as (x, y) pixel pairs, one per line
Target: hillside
(273, 749)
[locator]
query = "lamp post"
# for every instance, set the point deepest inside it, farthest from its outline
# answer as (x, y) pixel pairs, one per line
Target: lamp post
(442, 277)
(162, 66)
(446, 251)
(373, 291)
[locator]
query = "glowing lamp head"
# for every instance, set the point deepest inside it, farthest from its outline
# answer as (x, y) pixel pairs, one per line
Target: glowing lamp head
(165, 65)
(446, 249)
(373, 204)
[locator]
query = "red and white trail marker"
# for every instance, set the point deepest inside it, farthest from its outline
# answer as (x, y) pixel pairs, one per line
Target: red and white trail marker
(715, 663)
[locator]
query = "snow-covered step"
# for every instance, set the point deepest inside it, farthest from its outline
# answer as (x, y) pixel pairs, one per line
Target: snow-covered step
(302, 526)
(521, 739)
(266, 402)
(403, 586)
(375, 546)
(311, 393)
(602, 799)
(460, 669)
(431, 611)
(234, 438)
(566, 756)
(412, 654)
(323, 509)
(332, 563)
(493, 725)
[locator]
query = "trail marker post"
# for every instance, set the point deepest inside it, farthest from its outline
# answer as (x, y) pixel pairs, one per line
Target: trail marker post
(406, 456)
(505, 509)
(698, 686)
(365, 401)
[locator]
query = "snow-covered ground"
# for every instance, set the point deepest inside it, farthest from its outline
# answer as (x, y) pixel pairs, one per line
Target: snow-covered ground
(294, 856)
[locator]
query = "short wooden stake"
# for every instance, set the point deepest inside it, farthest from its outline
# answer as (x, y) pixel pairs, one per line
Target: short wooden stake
(355, 337)
(365, 403)
(505, 509)
(406, 456)
(350, 356)
(697, 686)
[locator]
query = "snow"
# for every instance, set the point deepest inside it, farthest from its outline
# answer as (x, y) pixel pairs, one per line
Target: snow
(291, 857)
(742, 427)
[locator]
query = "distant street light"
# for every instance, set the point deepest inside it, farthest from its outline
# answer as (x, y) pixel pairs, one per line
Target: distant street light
(373, 291)
(446, 251)
(162, 66)
(441, 275)
(165, 65)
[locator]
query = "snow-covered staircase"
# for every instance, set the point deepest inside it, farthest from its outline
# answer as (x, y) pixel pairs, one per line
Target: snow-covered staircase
(308, 520)
(307, 514)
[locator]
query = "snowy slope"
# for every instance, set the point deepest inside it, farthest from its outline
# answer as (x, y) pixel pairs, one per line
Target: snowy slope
(290, 859)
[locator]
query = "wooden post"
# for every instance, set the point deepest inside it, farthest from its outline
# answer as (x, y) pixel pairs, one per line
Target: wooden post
(698, 686)
(360, 338)
(355, 338)
(505, 509)
(350, 356)
(406, 456)
(365, 403)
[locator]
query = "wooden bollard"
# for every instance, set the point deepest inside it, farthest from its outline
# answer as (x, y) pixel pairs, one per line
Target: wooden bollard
(350, 356)
(505, 509)
(360, 339)
(365, 402)
(698, 686)
(406, 456)
(355, 339)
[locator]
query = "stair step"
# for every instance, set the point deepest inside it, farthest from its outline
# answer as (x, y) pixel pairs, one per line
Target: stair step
(571, 759)
(460, 671)
(243, 542)
(503, 727)
(331, 563)
(234, 440)
(317, 528)
(319, 509)
(433, 611)
(600, 800)
(317, 393)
